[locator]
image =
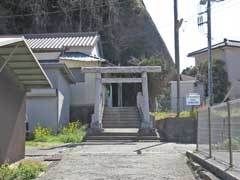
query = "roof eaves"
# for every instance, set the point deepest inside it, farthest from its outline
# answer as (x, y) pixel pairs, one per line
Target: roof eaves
(201, 51)
(225, 43)
(20, 68)
(64, 69)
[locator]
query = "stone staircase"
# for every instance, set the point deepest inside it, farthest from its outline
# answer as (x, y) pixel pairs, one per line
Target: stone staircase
(121, 117)
(121, 135)
(121, 124)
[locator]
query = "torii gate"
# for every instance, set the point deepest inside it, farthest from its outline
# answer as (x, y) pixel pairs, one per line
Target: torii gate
(143, 106)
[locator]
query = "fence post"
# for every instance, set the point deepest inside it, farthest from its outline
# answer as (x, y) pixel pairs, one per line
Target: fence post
(209, 132)
(229, 136)
(197, 119)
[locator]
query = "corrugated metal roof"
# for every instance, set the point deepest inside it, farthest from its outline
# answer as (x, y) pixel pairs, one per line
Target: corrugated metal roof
(18, 57)
(61, 40)
(78, 56)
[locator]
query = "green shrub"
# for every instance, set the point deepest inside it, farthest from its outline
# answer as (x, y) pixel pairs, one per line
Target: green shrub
(29, 169)
(70, 138)
(6, 172)
(74, 135)
(40, 133)
(26, 170)
(72, 127)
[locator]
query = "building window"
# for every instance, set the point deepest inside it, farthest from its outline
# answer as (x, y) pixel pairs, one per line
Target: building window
(79, 76)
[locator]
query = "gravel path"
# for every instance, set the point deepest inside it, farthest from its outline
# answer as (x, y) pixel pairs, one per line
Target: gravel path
(123, 161)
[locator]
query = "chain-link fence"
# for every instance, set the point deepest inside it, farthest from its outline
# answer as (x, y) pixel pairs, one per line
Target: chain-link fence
(203, 131)
(219, 132)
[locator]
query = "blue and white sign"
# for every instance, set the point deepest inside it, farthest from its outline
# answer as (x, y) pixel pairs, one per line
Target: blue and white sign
(193, 99)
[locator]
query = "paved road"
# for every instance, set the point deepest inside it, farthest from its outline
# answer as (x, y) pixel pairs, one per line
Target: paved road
(123, 161)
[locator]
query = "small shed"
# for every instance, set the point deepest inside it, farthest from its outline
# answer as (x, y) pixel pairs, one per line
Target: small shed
(50, 108)
(19, 72)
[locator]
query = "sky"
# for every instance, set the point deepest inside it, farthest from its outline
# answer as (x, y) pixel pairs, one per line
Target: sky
(225, 24)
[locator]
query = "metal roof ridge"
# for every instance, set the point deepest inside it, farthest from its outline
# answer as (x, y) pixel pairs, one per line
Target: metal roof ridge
(59, 34)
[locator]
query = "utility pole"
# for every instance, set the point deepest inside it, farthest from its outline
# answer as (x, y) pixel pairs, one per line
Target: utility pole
(177, 64)
(209, 36)
(210, 82)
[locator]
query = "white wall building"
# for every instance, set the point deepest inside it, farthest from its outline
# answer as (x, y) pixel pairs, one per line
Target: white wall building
(227, 51)
(73, 51)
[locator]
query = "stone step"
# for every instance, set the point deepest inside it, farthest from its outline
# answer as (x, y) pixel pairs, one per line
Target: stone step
(122, 114)
(119, 118)
(121, 126)
(117, 138)
(124, 107)
(120, 110)
(121, 122)
(126, 120)
(119, 134)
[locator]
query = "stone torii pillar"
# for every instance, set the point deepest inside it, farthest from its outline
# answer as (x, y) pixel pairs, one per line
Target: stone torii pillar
(120, 100)
(146, 120)
(96, 124)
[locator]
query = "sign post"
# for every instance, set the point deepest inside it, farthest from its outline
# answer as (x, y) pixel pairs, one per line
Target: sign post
(193, 99)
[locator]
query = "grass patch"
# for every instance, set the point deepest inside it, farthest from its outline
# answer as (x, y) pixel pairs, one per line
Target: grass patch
(166, 115)
(43, 137)
(24, 171)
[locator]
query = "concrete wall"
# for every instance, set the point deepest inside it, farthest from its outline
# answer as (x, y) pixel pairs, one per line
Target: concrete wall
(64, 99)
(232, 56)
(51, 111)
(12, 119)
(42, 111)
(62, 85)
(180, 130)
(83, 93)
(217, 54)
(81, 113)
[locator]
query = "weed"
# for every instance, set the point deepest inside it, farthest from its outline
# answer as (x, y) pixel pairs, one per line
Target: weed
(25, 170)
